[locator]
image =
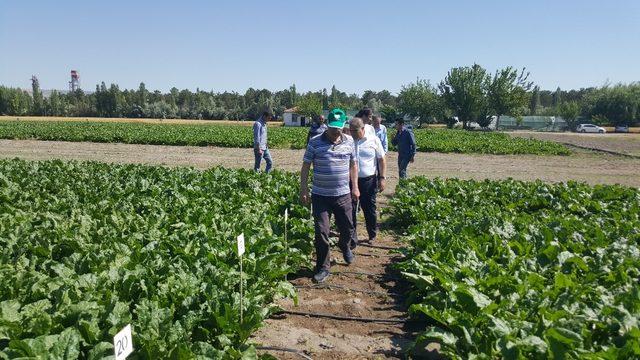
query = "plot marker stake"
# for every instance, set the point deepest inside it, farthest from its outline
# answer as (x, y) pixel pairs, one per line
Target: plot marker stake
(240, 241)
(286, 244)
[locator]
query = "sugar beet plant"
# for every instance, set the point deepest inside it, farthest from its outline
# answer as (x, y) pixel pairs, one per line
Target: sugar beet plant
(481, 142)
(429, 140)
(240, 136)
(86, 248)
(517, 270)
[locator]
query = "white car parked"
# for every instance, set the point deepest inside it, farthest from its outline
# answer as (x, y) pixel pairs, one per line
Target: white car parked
(590, 128)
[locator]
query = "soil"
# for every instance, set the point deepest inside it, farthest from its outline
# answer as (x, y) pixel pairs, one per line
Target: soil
(321, 338)
(621, 143)
(587, 166)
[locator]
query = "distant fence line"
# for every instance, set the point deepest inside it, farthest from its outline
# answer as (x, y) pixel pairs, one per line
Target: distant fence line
(538, 123)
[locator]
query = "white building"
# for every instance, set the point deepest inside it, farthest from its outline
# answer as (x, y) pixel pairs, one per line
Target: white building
(291, 118)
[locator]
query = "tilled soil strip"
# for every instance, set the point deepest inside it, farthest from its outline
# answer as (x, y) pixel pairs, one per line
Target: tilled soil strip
(358, 313)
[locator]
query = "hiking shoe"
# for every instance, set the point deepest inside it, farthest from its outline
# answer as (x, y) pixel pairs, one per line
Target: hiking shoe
(321, 276)
(348, 256)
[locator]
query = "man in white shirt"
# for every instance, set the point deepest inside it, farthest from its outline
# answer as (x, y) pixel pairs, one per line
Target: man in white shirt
(369, 152)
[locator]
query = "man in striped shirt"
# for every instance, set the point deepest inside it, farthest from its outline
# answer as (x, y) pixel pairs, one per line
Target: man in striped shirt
(334, 168)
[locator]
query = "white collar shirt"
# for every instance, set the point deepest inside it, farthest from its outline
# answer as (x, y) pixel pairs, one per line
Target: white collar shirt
(368, 150)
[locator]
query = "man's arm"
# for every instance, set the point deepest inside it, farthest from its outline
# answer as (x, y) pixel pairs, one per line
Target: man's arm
(256, 135)
(412, 143)
(304, 180)
(384, 140)
(382, 164)
(353, 176)
(382, 168)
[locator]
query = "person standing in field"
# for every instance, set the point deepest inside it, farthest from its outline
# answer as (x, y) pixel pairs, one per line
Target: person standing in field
(371, 177)
(381, 132)
(405, 141)
(260, 149)
(317, 128)
(333, 157)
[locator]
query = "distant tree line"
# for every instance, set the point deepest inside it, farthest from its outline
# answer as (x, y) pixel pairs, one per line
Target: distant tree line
(607, 105)
(111, 101)
(470, 94)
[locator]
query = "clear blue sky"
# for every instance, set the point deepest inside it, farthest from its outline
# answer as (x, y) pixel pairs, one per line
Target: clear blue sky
(356, 45)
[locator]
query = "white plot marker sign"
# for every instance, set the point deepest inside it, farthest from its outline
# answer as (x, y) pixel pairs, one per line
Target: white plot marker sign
(240, 244)
(123, 343)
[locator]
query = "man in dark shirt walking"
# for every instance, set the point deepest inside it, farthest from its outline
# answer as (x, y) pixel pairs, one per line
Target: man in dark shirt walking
(405, 141)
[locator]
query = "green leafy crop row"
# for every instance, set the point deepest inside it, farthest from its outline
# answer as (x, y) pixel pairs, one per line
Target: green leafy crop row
(441, 140)
(518, 270)
(477, 142)
(86, 248)
(239, 136)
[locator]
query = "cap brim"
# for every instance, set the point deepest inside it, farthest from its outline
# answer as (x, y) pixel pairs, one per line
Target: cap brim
(336, 124)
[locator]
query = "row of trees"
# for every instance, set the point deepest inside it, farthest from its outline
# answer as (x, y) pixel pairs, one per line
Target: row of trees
(470, 94)
(608, 105)
(185, 104)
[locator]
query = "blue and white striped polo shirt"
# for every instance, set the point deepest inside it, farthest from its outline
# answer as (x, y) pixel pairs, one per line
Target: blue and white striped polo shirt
(330, 164)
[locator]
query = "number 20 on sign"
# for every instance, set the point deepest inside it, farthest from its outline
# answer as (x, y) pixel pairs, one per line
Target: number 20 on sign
(123, 343)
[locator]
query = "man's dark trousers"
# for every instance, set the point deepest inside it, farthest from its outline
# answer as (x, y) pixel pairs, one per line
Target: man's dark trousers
(403, 162)
(341, 208)
(368, 187)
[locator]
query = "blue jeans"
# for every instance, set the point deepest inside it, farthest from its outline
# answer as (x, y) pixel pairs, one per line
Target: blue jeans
(402, 167)
(267, 158)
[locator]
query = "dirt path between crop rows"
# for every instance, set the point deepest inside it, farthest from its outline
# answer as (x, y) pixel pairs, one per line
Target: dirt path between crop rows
(590, 167)
(369, 288)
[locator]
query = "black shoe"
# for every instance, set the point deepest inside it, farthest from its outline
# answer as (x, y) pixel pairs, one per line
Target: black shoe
(321, 276)
(353, 245)
(348, 256)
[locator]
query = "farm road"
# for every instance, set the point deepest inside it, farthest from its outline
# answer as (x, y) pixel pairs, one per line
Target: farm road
(620, 143)
(587, 166)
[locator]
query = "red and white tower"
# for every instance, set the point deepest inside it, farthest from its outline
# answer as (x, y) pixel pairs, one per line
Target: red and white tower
(74, 84)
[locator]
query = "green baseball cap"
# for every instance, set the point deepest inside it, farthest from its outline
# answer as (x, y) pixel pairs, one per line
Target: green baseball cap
(336, 119)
